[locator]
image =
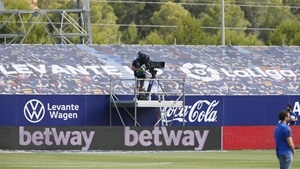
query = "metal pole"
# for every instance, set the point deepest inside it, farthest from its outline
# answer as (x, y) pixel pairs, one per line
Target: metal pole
(87, 20)
(110, 100)
(81, 39)
(223, 23)
(183, 100)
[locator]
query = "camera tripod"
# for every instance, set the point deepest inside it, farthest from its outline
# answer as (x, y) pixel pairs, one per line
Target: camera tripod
(161, 97)
(145, 96)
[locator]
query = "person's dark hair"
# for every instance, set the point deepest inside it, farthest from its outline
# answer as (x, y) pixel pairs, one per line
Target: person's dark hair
(283, 114)
(289, 108)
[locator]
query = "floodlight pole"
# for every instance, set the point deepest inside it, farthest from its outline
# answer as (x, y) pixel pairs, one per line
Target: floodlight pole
(1, 5)
(223, 23)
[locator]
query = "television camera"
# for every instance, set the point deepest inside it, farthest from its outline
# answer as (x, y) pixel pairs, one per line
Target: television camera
(150, 65)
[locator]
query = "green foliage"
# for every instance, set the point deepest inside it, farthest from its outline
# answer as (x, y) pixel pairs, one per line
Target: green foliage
(294, 4)
(16, 4)
(239, 38)
(13, 25)
(169, 15)
(108, 32)
(263, 17)
(288, 32)
(234, 17)
(130, 35)
(44, 4)
(38, 35)
(195, 10)
(189, 31)
(127, 13)
(153, 39)
(139, 13)
(233, 37)
(172, 20)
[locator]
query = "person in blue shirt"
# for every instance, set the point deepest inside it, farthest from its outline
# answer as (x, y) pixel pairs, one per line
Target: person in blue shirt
(285, 148)
(293, 116)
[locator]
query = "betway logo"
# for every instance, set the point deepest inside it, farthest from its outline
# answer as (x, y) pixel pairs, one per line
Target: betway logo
(161, 137)
(50, 137)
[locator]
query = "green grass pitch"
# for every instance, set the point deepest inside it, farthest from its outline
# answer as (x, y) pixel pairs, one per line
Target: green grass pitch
(242, 159)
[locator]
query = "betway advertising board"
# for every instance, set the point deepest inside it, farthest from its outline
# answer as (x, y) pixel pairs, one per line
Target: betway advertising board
(110, 138)
(94, 110)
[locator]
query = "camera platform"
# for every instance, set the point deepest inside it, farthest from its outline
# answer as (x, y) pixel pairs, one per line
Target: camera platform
(155, 99)
(147, 103)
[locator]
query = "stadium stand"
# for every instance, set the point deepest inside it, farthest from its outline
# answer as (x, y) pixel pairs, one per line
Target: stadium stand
(209, 70)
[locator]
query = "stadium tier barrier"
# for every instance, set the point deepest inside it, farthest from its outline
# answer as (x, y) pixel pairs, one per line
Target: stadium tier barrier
(209, 70)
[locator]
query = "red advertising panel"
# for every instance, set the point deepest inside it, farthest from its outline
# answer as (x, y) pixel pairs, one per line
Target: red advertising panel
(253, 137)
(296, 135)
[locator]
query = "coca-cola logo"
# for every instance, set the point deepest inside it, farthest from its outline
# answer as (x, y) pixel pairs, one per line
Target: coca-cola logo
(200, 111)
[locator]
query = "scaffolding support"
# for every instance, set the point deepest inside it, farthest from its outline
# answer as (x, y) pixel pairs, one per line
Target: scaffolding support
(74, 23)
(159, 102)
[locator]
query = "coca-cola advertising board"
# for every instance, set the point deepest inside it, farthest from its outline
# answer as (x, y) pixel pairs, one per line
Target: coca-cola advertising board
(198, 111)
(94, 110)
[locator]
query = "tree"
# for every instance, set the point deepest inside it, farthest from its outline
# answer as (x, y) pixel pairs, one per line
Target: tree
(57, 19)
(234, 17)
(14, 24)
(16, 4)
(265, 14)
(288, 32)
(294, 4)
(43, 4)
(104, 34)
(168, 15)
(139, 13)
(103, 20)
(234, 37)
(195, 7)
(189, 31)
(127, 13)
(35, 35)
(130, 35)
(153, 38)
(38, 35)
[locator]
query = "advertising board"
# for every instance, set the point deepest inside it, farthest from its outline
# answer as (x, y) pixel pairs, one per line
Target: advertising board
(110, 138)
(53, 110)
(94, 110)
(254, 137)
